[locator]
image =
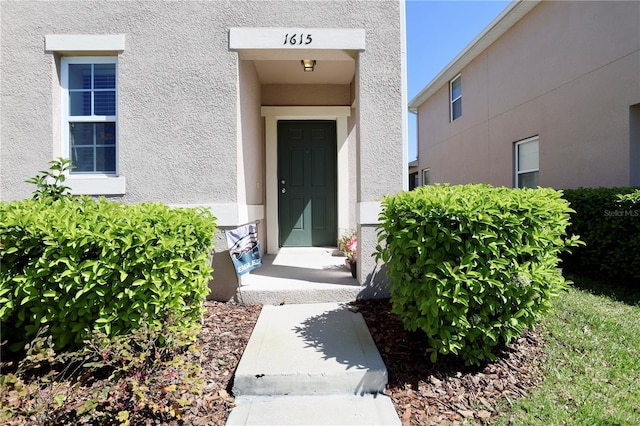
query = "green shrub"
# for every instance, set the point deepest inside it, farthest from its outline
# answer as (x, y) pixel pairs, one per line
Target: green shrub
(608, 221)
(50, 184)
(80, 266)
(472, 265)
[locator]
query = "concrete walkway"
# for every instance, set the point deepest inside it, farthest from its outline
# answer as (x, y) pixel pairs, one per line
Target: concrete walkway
(311, 364)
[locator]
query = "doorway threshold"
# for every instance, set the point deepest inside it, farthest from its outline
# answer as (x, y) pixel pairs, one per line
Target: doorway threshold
(300, 275)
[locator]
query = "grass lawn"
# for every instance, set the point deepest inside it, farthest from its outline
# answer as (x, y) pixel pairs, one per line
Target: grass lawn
(592, 364)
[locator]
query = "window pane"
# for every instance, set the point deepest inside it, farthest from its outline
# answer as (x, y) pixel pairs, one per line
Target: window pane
(79, 76)
(82, 159)
(80, 103)
(456, 88)
(456, 109)
(528, 180)
(426, 179)
(81, 134)
(104, 76)
(105, 133)
(106, 159)
(91, 92)
(104, 103)
(528, 156)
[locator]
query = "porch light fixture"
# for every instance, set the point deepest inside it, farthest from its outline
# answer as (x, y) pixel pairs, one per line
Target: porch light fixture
(308, 64)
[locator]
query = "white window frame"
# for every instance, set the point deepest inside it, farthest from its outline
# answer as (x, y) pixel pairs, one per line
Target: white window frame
(66, 118)
(451, 98)
(426, 173)
(88, 46)
(516, 158)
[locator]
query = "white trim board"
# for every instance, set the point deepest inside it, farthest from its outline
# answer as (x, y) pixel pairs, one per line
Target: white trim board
(368, 212)
(96, 185)
(297, 38)
(229, 214)
(84, 43)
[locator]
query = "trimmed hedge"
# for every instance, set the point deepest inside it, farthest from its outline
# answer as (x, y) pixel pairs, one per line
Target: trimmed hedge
(608, 221)
(472, 265)
(77, 266)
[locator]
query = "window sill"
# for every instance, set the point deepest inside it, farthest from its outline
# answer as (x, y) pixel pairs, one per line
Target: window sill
(96, 185)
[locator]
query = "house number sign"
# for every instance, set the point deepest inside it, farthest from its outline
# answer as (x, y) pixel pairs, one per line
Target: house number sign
(297, 39)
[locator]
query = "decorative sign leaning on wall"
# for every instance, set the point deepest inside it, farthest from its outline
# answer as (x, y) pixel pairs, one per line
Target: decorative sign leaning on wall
(244, 248)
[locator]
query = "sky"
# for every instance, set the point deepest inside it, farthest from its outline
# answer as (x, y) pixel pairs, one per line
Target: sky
(436, 32)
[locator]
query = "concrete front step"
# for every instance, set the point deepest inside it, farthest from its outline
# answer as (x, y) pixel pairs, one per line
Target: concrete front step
(314, 410)
(292, 294)
(300, 275)
(310, 349)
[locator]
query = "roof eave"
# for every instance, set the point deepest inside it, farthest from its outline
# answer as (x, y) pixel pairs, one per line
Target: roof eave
(515, 11)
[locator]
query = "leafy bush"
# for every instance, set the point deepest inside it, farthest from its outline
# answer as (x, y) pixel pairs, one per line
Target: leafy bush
(472, 265)
(608, 221)
(81, 266)
(50, 183)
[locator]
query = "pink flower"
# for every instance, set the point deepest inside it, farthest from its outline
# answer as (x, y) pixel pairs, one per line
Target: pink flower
(353, 247)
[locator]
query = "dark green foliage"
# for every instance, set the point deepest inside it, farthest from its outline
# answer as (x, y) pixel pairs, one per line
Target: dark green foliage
(80, 266)
(472, 265)
(50, 183)
(608, 221)
(150, 379)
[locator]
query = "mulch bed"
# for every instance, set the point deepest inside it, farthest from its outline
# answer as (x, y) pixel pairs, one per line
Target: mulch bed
(448, 392)
(225, 332)
(423, 393)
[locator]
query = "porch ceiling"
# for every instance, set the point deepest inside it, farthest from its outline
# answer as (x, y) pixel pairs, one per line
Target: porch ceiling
(284, 67)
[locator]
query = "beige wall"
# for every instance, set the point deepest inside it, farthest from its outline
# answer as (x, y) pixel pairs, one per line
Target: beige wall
(251, 162)
(567, 72)
(189, 125)
(306, 94)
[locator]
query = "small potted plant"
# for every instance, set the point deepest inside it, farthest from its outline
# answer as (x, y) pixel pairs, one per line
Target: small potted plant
(348, 244)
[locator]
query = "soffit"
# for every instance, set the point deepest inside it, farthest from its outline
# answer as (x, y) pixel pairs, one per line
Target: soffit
(291, 72)
(279, 66)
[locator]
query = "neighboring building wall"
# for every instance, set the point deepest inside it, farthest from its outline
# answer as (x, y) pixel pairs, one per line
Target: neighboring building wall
(567, 72)
(634, 145)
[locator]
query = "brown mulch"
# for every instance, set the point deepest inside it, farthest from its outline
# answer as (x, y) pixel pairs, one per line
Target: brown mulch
(445, 393)
(448, 392)
(226, 329)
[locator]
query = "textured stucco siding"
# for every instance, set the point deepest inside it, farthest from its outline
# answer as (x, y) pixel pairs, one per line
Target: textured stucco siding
(380, 121)
(567, 72)
(251, 147)
(178, 107)
(306, 94)
(176, 95)
(26, 104)
(190, 130)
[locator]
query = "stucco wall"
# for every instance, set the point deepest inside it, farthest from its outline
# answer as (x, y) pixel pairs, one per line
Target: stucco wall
(251, 161)
(176, 95)
(306, 94)
(568, 72)
(189, 125)
(178, 89)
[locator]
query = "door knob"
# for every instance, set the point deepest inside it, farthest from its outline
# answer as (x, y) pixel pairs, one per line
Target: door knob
(283, 190)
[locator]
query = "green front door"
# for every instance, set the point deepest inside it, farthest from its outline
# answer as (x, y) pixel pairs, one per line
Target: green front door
(307, 183)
